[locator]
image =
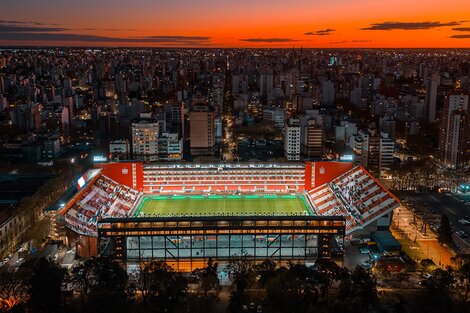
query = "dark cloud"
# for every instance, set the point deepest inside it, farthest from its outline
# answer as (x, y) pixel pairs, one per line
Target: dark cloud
(19, 22)
(176, 38)
(25, 22)
(21, 36)
(408, 25)
(9, 28)
(462, 29)
(361, 40)
(120, 29)
(338, 42)
(267, 39)
(463, 36)
(321, 32)
(110, 29)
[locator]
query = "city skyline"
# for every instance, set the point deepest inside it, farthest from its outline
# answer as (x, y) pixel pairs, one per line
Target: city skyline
(257, 24)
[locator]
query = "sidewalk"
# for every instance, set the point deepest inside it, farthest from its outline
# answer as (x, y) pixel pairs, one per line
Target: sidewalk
(426, 248)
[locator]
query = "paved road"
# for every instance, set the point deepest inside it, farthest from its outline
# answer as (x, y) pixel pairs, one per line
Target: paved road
(447, 204)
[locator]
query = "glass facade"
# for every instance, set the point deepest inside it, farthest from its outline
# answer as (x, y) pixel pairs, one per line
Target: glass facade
(277, 246)
(187, 242)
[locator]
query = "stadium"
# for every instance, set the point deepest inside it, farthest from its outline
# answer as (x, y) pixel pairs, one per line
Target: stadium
(186, 213)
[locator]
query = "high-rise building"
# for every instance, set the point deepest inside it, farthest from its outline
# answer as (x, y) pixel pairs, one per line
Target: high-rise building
(202, 129)
(373, 150)
(68, 103)
(170, 146)
(313, 139)
(276, 115)
(328, 93)
(26, 116)
(119, 149)
(267, 86)
(174, 113)
(454, 141)
(145, 138)
(387, 149)
(431, 98)
(292, 140)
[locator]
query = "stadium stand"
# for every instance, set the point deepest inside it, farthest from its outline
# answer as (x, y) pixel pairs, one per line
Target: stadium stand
(104, 198)
(356, 195)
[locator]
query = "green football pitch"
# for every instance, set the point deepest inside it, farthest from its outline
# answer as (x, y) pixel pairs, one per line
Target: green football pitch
(248, 205)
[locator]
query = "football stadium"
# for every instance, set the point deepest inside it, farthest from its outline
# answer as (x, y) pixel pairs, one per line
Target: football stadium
(186, 213)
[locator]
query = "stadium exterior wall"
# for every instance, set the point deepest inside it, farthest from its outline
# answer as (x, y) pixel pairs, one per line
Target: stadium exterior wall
(324, 172)
(129, 174)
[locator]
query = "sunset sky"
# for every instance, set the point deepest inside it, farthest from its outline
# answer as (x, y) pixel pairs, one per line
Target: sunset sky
(236, 23)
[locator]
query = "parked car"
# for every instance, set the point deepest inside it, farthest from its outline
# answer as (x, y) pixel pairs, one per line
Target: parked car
(364, 250)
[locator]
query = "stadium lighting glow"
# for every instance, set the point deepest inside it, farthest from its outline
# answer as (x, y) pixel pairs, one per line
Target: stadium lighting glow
(347, 157)
(99, 158)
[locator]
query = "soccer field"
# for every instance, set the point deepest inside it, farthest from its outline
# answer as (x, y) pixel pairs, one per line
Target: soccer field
(248, 205)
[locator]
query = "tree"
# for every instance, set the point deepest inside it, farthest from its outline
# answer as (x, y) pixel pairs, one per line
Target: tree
(293, 289)
(210, 283)
(45, 286)
(13, 289)
(463, 278)
(82, 278)
(107, 286)
(243, 276)
(360, 284)
(208, 286)
(265, 271)
(445, 232)
(441, 282)
(327, 271)
(161, 286)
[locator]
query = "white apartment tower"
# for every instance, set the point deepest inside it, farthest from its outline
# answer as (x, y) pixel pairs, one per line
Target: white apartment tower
(292, 140)
(145, 139)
